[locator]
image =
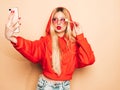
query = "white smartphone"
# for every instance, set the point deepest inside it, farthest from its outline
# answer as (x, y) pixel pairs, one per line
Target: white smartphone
(15, 9)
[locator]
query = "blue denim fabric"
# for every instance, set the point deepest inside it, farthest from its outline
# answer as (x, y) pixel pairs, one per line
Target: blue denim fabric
(46, 85)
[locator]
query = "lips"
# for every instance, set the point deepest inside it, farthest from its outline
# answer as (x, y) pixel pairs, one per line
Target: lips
(58, 27)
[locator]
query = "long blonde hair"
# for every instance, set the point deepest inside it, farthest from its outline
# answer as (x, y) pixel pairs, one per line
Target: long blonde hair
(56, 52)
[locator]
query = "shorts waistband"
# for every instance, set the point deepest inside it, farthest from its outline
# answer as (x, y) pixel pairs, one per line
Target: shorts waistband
(50, 80)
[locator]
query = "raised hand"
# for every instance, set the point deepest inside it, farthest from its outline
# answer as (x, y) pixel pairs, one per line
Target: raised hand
(11, 26)
(77, 29)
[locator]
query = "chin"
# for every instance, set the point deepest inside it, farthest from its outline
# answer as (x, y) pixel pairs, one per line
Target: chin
(59, 31)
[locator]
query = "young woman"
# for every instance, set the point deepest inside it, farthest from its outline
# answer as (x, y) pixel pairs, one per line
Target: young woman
(60, 52)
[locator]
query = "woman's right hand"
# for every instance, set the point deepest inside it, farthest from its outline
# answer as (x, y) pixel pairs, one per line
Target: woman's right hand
(11, 26)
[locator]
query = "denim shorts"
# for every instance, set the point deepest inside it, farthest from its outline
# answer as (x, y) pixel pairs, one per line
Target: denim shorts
(49, 85)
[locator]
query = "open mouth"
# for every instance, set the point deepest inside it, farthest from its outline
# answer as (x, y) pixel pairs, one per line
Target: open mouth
(59, 27)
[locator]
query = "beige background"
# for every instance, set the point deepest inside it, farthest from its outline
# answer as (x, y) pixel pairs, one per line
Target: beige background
(100, 21)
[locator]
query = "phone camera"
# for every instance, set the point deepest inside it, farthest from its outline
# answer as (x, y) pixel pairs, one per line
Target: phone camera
(9, 9)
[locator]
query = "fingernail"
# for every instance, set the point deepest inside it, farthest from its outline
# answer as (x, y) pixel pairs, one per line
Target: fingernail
(20, 24)
(19, 18)
(75, 23)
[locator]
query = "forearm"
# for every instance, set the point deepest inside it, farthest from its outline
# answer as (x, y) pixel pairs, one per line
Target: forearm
(29, 49)
(86, 55)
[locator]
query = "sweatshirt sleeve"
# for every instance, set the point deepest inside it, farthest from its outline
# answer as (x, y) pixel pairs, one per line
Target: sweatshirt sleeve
(85, 54)
(31, 50)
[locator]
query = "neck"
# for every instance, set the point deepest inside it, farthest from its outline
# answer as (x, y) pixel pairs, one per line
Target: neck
(60, 34)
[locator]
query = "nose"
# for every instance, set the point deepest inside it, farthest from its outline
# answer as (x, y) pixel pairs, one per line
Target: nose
(59, 22)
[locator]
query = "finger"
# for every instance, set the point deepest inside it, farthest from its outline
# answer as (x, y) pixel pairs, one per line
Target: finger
(73, 33)
(16, 24)
(76, 24)
(19, 20)
(15, 27)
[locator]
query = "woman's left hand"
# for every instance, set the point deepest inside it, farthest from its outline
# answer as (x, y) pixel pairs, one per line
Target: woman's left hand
(77, 29)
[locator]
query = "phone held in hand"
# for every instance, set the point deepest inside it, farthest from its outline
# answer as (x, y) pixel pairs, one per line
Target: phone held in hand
(16, 16)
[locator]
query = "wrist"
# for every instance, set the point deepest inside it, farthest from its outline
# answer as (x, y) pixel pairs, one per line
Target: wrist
(12, 39)
(80, 36)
